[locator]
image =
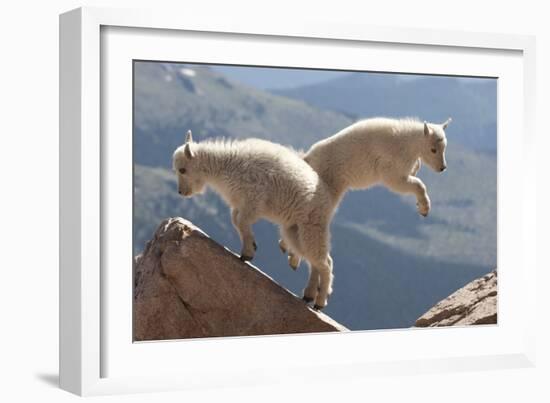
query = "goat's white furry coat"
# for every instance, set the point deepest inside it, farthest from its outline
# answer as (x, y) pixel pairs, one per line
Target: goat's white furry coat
(260, 179)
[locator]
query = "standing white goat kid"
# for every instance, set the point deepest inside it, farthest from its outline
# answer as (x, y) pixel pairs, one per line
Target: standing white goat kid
(260, 179)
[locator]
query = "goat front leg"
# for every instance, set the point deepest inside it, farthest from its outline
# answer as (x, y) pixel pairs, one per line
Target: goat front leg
(416, 167)
(411, 184)
(242, 220)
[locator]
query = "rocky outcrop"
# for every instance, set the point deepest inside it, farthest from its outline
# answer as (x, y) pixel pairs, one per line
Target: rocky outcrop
(474, 304)
(188, 286)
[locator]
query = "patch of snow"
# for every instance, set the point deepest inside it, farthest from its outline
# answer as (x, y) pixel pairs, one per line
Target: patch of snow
(168, 78)
(188, 72)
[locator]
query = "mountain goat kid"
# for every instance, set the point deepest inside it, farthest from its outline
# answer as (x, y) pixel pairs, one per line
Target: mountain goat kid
(381, 151)
(260, 179)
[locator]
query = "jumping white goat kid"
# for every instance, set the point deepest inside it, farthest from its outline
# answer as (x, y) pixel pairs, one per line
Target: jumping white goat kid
(260, 179)
(378, 151)
(381, 151)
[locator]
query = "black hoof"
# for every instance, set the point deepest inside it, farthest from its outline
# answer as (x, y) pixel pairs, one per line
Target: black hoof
(245, 258)
(317, 307)
(307, 299)
(255, 245)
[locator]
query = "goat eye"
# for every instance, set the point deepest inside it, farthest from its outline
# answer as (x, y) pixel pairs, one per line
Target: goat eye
(182, 170)
(434, 150)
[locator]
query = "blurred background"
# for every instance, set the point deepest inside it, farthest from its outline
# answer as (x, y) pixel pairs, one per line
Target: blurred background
(390, 264)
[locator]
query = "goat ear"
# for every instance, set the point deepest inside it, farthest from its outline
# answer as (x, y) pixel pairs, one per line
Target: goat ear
(446, 123)
(189, 137)
(187, 151)
(426, 129)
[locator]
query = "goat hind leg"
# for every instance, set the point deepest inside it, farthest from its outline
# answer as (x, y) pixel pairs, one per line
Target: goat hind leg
(312, 288)
(283, 246)
(289, 243)
(326, 278)
(294, 260)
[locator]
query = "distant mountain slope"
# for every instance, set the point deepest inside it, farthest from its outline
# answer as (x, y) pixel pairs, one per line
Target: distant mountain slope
(470, 102)
(170, 99)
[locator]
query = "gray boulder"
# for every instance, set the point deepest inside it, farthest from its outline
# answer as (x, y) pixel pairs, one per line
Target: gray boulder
(188, 286)
(473, 304)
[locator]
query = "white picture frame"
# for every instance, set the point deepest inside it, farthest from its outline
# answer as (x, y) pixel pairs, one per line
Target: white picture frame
(97, 357)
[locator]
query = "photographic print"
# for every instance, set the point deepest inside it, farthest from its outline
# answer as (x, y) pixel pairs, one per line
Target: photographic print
(272, 200)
